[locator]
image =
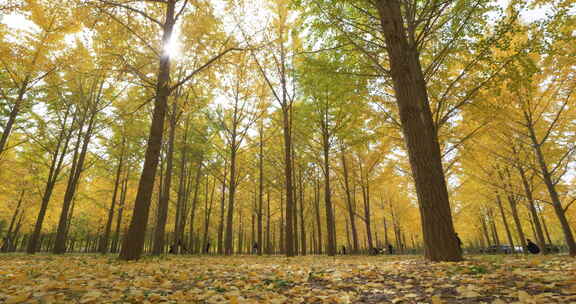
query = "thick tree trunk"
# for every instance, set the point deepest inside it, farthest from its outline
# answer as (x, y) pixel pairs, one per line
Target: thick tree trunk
(420, 136)
(133, 243)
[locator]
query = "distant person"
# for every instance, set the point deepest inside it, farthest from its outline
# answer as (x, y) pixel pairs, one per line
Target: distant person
(207, 249)
(343, 250)
(375, 251)
(255, 248)
(390, 249)
(532, 248)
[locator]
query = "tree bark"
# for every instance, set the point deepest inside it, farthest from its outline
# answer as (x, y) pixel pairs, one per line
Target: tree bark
(106, 238)
(351, 206)
(530, 204)
(55, 169)
(505, 221)
(420, 135)
(133, 244)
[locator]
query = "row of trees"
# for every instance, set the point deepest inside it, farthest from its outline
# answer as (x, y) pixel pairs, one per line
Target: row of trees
(284, 135)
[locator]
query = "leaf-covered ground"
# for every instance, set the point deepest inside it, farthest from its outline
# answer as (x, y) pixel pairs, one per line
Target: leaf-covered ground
(248, 279)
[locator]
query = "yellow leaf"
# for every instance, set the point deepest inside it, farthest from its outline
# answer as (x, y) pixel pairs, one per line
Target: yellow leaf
(437, 300)
(17, 299)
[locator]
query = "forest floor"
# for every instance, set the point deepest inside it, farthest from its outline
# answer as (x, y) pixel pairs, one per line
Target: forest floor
(312, 279)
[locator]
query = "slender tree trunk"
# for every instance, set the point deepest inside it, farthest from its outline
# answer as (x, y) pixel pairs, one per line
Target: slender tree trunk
(302, 226)
(229, 235)
(289, 231)
(268, 227)
(8, 239)
(106, 238)
(351, 206)
(195, 203)
(222, 210)
(133, 243)
(14, 114)
(367, 211)
(505, 221)
(260, 187)
(208, 212)
(331, 245)
(530, 204)
(317, 213)
(160, 231)
(556, 203)
(420, 136)
(123, 194)
(76, 171)
(55, 169)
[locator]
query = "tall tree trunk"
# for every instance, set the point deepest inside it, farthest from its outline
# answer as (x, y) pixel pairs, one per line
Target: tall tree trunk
(76, 171)
(530, 204)
(317, 213)
(268, 227)
(160, 231)
(302, 226)
(367, 212)
(195, 203)
(420, 136)
(9, 238)
(208, 213)
(222, 210)
(229, 236)
(121, 205)
(331, 245)
(13, 114)
(351, 206)
(260, 187)
(55, 169)
(106, 238)
(133, 243)
(556, 203)
(287, 132)
(505, 221)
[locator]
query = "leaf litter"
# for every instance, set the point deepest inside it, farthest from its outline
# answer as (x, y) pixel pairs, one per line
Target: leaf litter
(312, 279)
